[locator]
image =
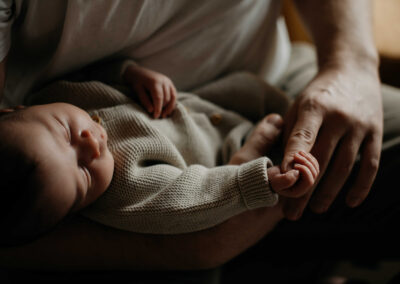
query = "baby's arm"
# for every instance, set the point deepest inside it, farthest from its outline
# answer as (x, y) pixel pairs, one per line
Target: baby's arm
(155, 91)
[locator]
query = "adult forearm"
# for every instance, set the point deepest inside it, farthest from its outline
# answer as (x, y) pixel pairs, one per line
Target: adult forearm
(338, 116)
(82, 244)
(341, 30)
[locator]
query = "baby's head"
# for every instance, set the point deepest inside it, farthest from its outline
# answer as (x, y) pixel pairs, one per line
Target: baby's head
(54, 160)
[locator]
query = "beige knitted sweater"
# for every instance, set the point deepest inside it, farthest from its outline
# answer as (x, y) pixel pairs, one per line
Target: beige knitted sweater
(171, 174)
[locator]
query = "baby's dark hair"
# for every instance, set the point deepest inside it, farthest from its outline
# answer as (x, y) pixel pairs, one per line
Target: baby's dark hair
(19, 190)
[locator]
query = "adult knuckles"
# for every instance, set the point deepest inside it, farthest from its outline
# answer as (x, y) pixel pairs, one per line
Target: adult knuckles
(322, 102)
(313, 104)
(303, 134)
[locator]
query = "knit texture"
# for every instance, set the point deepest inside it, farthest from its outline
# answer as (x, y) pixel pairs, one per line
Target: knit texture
(170, 174)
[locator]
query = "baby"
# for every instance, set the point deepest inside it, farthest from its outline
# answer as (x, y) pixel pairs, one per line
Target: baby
(175, 175)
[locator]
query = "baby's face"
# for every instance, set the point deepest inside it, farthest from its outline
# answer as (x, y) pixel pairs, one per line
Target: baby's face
(75, 165)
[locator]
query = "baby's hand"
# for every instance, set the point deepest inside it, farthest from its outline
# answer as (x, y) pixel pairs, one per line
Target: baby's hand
(156, 91)
(296, 182)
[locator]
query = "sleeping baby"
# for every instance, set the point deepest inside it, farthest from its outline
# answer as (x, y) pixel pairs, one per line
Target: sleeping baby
(86, 147)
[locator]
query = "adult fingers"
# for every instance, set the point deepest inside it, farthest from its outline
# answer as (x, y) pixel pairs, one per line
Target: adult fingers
(338, 173)
(323, 150)
(144, 98)
(369, 164)
(294, 207)
(303, 135)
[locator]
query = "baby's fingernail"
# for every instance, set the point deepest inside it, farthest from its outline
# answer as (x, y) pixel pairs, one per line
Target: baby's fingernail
(275, 119)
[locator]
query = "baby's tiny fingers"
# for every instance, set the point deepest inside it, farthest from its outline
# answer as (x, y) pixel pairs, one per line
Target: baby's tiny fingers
(166, 100)
(312, 159)
(167, 95)
(169, 108)
(302, 186)
(300, 159)
(306, 175)
(144, 98)
(173, 93)
(157, 95)
(281, 182)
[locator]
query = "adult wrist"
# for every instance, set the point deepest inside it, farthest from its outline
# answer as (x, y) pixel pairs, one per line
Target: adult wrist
(349, 58)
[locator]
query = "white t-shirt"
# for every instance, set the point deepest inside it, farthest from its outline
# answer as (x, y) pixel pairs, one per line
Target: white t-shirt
(192, 42)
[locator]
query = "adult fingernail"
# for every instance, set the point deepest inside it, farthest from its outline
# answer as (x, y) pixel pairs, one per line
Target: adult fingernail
(275, 119)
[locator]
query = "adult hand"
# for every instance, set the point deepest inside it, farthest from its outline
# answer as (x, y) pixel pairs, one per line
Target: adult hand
(338, 115)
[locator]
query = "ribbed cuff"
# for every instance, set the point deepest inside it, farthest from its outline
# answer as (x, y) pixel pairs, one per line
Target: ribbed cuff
(254, 185)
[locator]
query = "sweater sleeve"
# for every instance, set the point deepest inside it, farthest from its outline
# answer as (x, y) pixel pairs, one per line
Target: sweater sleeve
(163, 199)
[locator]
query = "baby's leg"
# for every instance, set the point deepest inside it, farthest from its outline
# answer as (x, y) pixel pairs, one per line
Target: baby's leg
(261, 140)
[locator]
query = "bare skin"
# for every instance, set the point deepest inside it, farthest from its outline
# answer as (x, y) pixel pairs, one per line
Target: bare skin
(293, 183)
(57, 136)
(81, 244)
(339, 114)
(156, 92)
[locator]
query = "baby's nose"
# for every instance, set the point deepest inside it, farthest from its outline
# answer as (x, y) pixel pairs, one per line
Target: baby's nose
(90, 144)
